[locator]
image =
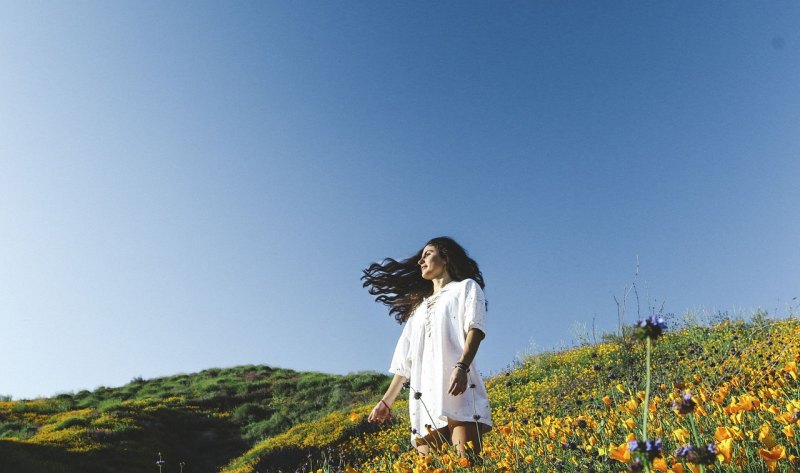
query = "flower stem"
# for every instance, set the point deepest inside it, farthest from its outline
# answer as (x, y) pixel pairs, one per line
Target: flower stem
(696, 437)
(646, 392)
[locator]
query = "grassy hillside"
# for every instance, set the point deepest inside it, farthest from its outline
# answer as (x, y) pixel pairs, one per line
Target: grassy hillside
(577, 411)
(203, 419)
(572, 411)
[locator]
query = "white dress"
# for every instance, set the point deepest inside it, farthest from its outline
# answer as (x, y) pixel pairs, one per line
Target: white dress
(427, 351)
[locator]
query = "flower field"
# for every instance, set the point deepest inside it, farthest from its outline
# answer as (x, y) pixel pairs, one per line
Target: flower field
(723, 398)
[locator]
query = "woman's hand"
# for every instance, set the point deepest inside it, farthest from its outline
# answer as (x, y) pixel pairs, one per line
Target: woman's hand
(458, 382)
(380, 413)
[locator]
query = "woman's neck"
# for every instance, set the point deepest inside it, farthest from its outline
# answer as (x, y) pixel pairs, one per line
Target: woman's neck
(440, 282)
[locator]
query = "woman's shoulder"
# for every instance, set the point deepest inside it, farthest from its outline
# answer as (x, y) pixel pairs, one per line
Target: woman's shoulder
(468, 282)
(469, 285)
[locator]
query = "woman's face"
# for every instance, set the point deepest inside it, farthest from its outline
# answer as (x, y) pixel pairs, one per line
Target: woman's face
(431, 263)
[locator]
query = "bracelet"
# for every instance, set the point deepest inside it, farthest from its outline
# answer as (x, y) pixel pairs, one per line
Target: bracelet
(387, 405)
(462, 366)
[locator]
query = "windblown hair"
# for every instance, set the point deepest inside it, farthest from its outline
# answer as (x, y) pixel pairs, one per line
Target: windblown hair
(399, 284)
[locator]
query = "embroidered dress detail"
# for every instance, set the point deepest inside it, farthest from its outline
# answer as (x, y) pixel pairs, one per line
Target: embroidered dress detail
(430, 304)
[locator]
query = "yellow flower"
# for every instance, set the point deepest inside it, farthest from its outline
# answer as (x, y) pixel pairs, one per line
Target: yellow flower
(737, 417)
(721, 394)
(630, 406)
(681, 435)
(765, 436)
(791, 368)
(620, 453)
(788, 431)
(747, 402)
(724, 448)
(772, 456)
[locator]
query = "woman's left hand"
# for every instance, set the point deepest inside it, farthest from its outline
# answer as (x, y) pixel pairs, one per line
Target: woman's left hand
(458, 382)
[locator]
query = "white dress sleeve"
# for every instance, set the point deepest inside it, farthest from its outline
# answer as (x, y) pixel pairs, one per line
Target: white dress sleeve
(474, 307)
(401, 360)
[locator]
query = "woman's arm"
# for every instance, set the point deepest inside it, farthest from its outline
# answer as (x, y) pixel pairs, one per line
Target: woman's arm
(458, 378)
(474, 338)
(382, 410)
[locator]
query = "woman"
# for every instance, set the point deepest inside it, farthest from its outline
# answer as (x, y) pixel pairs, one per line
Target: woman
(438, 294)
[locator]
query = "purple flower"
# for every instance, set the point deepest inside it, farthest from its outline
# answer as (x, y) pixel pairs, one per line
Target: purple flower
(686, 406)
(636, 466)
(651, 327)
(683, 452)
(699, 456)
(651, 448)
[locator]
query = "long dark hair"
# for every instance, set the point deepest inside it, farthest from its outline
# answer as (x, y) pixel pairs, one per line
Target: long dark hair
(399, 284)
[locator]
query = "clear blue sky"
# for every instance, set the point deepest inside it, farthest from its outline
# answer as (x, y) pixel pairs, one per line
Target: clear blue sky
(193, 185)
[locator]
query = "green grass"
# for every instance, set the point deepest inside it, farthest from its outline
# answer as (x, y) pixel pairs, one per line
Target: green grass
(204, 419)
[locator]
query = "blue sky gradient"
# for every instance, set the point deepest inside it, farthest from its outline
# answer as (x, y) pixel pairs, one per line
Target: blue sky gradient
(194, 185)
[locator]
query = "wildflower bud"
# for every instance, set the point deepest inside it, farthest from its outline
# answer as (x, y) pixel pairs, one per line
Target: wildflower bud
(582, 423)
(512, 409)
